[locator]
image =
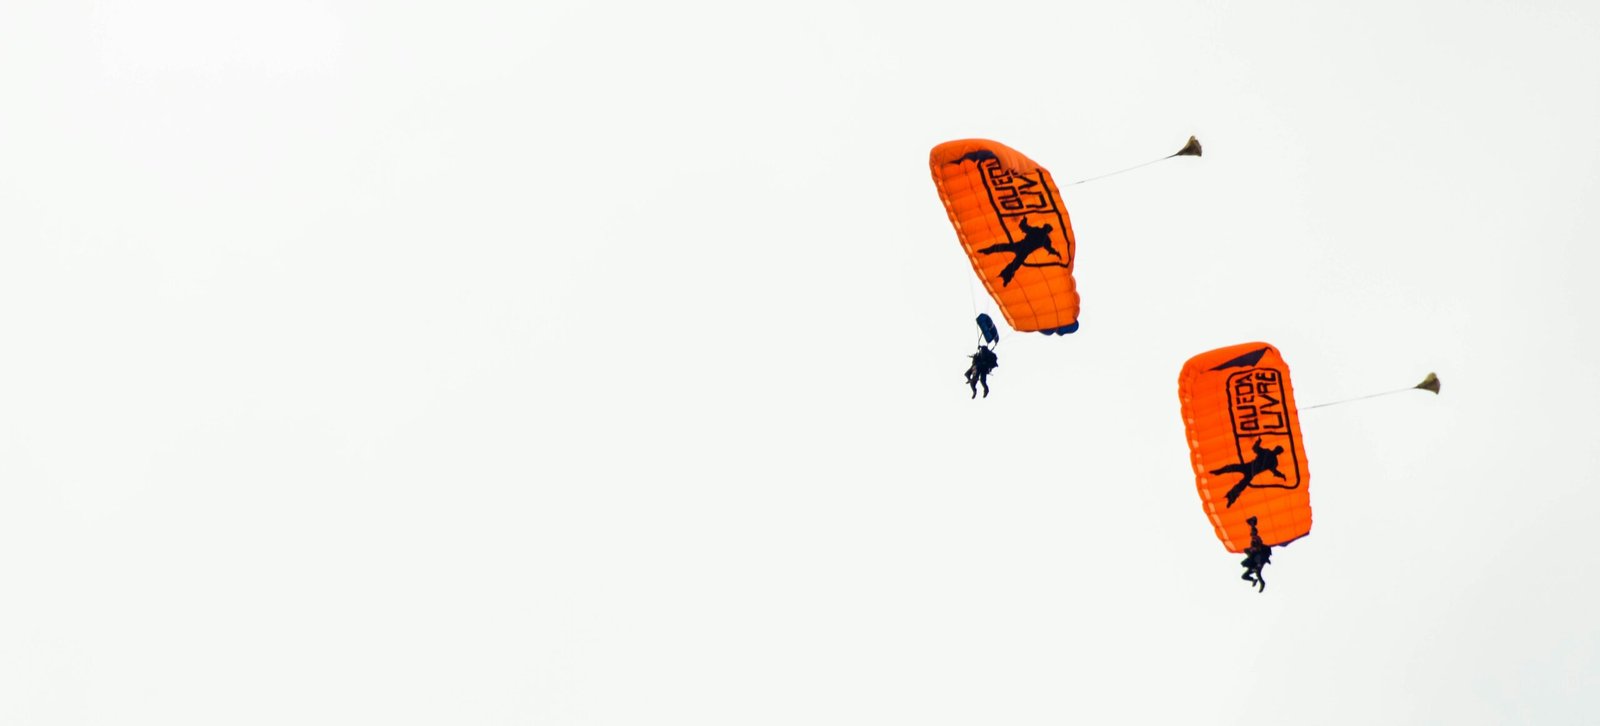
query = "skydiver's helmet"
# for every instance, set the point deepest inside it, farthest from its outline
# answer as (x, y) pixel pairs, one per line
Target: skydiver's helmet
(1277, 449)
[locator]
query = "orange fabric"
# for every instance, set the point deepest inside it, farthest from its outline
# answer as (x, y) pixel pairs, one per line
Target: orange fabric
(1238, 407)
(1000, 202)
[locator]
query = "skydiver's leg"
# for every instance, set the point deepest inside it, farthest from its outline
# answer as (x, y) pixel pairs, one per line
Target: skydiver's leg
(1241, 469)
(1233, 493)
(1011, 247)
(1010, 270)
(985, 380)
(974, 384)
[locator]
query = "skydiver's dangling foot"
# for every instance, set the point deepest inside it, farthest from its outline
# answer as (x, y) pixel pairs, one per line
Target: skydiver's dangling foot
(983, 363)
(1256, 556)
(1253, 561)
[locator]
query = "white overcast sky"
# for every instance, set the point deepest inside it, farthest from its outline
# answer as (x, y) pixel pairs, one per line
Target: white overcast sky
(600, 363)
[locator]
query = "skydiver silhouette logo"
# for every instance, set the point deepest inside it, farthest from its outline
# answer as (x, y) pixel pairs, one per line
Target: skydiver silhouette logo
(1033, 240)
(1266, 460)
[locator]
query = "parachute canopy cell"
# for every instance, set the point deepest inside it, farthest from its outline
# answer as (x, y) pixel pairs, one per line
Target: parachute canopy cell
(1244, 441)
(1008, 214)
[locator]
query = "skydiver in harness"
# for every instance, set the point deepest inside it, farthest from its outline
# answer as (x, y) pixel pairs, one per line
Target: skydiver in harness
(1256, 556)
(983, 363)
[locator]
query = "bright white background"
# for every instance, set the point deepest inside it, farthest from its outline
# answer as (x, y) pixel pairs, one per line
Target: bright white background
(599, 363)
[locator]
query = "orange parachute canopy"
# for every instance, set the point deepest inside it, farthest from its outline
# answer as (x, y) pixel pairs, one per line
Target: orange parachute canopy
(1008, 213)
(1244, 438)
